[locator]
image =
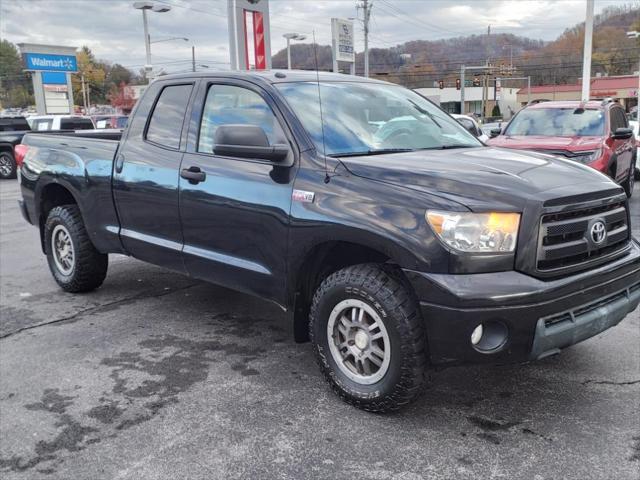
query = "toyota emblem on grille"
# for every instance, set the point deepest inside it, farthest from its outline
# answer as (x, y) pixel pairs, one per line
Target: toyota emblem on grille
(598, 232)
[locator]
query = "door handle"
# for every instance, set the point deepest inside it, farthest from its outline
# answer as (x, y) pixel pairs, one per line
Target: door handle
(119, 163)
(193, 174)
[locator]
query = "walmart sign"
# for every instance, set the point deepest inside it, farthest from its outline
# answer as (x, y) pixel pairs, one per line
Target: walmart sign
(51, 63)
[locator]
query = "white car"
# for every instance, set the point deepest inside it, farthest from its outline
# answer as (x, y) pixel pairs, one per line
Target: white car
(40, 123)
(634, 124)
(470, 124)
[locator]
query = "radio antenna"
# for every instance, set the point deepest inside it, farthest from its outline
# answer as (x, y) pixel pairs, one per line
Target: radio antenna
(327, 178)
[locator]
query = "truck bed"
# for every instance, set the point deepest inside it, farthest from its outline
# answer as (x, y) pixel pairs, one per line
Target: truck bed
(82, 162)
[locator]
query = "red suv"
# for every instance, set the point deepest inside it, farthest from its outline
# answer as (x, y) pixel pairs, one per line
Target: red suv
(595, 133)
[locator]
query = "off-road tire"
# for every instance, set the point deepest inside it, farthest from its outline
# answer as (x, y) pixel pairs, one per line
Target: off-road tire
(90, 266)
(384, 290)
(11, 161)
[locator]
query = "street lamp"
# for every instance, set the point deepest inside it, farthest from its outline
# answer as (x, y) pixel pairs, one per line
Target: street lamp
(170, 39)
(635, 34)
(289, 37)
(144, 6)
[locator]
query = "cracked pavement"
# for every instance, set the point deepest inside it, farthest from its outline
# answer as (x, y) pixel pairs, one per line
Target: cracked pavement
(158, 376)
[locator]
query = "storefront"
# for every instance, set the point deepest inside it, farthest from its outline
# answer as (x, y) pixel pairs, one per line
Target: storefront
(622, 88)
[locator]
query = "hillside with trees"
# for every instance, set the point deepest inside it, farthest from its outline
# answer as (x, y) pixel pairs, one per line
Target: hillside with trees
(420, 63)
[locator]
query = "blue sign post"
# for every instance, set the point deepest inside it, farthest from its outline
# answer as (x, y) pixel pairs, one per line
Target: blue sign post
(51, 63)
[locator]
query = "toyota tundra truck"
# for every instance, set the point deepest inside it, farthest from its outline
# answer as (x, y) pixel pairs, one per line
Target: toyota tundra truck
(397, 241)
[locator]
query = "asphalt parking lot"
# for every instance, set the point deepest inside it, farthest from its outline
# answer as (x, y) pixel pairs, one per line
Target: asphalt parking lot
(158, 376)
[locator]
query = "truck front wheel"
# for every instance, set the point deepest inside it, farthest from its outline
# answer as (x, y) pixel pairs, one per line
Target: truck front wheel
(368, 337)
(74, 262)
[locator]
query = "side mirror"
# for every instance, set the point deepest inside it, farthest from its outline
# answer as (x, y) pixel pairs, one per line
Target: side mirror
(495, 132)
(247, 141)
(622, 133)
(470, 127)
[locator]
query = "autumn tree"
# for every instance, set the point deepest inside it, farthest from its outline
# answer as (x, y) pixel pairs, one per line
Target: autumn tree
(122, 98)
(16, 89)
(94, 78)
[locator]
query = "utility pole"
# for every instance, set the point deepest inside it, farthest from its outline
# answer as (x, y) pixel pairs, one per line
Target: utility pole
(485, 83)
(462, 68)
(147, 42)
(366, 8)
(586, 54)
(635, 34)
(193, 58)
(84, 94)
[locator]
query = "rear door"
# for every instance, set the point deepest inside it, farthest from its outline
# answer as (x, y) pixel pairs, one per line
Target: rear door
(145, 179)
(235, 221)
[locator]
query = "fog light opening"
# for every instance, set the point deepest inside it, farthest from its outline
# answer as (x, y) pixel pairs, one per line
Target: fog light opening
(476, 335)
(489, 337)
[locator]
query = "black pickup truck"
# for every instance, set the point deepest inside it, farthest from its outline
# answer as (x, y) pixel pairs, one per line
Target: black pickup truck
(395, 238)
(12, 129)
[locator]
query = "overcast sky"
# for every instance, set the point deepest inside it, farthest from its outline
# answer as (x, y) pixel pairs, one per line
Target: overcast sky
(113, 29)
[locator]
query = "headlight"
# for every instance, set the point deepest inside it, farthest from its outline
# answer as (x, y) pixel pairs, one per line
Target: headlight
(476, 232)
(586, 156)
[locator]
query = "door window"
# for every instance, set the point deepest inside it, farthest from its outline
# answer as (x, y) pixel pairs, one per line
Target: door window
(76, 124)
(618, 119)
(165, 126)
(232, 105)
(42, 124)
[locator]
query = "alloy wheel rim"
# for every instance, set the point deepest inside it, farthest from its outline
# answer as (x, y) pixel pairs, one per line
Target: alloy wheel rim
(5, 166)
(358, 341)
(63, 251)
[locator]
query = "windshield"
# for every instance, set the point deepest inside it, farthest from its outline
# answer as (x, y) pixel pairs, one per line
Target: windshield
(558, 122)
(365, 118)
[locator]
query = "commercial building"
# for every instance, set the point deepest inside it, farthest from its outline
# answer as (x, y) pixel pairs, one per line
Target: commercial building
(624, 88)
(449, 99)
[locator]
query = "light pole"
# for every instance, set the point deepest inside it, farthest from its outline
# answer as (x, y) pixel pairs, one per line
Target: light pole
(635, 34)
(169, 39)
(586, 53)
(289, 37)
(144, 6)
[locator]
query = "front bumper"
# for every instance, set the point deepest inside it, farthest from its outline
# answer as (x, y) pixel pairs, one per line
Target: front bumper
(24, 211)
(541, 316)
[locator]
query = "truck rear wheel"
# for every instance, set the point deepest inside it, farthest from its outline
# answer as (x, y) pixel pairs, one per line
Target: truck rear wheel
(74, 262)
(7, 165)
(368, 338)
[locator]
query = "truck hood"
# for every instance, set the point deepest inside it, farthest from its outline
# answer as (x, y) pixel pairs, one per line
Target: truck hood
(540, 143)
(483, 178)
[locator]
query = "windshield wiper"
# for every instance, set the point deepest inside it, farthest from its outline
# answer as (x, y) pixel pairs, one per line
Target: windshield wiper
(448, 147)
(378, 151)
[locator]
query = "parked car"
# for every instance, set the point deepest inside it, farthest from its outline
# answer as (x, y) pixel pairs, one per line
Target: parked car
(471, 125)
(492, 129)
(110, 121)
(594, 133)
(12, 129)
(633, 123)
(41, 123)
(395, 246)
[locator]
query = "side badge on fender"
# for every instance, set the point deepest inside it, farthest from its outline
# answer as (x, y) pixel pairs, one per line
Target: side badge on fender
(302, 196)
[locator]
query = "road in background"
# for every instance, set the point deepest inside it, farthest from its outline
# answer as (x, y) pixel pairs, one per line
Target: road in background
(159, 376)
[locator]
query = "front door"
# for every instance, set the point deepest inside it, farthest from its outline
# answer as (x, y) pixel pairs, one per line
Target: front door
(146, 173)
(235, 217)
(623, 148)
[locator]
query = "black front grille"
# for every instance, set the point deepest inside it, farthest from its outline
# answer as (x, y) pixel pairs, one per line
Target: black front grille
(566, 239)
